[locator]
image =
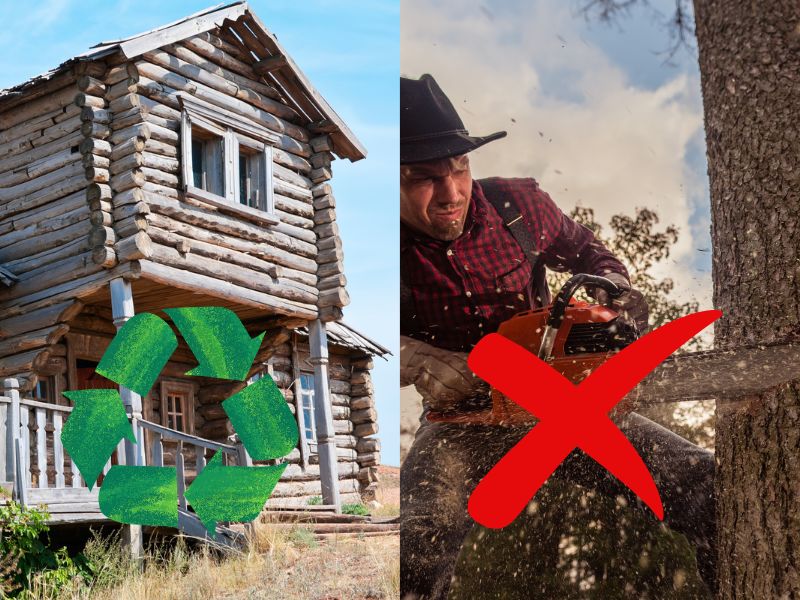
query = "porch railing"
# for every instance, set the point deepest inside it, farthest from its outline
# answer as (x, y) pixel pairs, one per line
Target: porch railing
(34, 461)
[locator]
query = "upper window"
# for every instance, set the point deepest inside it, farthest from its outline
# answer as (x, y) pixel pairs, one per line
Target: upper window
(227, 160)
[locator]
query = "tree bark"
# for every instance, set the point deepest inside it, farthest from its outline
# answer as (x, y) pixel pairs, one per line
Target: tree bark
(750, 72)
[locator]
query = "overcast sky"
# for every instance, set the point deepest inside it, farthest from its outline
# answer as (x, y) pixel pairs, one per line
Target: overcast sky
(592, 112)
(349, 51)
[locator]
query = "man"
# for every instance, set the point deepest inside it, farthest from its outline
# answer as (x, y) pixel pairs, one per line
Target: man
(472, 255)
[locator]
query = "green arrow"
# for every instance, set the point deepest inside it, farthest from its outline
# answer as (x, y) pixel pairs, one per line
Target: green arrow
(95, 426)
(218, 339)
(261, 417)
(140, 495)
(138, 352)
(236, 494)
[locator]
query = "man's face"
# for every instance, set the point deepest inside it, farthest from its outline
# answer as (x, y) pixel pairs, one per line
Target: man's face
(434, 196)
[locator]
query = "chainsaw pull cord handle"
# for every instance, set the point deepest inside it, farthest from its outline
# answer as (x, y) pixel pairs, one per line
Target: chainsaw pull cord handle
(561, 302)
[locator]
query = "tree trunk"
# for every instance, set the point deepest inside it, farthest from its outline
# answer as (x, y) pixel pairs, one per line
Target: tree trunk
(750, 71)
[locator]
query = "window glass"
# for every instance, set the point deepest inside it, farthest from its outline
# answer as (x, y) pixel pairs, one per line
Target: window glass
(208, 162)
(307, 402)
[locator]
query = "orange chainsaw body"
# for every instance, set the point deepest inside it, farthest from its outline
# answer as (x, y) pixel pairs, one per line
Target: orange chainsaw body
(575, 353)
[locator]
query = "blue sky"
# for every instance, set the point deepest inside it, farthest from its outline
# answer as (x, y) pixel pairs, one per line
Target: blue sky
(350, 52)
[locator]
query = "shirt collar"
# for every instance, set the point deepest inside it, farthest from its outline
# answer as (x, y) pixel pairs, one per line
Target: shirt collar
(476, 214)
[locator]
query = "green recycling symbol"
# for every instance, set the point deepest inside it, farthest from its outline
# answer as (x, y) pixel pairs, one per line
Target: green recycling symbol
(146, 495)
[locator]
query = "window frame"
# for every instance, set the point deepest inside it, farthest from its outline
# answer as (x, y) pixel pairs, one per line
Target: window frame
(235, 131)
(187, 403)
(309, 394)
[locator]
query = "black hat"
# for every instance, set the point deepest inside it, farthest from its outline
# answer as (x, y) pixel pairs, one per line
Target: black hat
(430, 127)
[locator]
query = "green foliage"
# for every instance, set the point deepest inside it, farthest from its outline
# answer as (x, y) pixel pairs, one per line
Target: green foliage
(635, 242)
(304, 538)
(315, 501)
(639, 246)
(28, 563)
(355, 509)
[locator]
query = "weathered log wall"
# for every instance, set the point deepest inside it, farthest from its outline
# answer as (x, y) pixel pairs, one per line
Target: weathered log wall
(294, 266)
(90, 189)
(47, 222)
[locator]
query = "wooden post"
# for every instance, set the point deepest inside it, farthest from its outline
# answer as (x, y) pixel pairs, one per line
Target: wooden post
(11, 390)
(243, 459)
(323, 415)
(121, 311)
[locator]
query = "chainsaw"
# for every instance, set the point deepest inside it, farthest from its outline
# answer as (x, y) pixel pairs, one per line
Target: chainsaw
(572, 336)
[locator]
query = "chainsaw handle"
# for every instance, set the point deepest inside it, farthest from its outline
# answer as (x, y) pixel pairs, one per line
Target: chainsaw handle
(568, 290)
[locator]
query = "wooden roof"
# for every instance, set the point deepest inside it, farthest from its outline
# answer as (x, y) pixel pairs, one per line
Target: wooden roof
(255, 39)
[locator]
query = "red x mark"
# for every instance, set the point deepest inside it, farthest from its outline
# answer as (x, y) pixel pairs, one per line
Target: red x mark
(569, 416)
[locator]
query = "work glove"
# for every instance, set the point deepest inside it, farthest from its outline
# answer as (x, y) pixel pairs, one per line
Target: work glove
(631, 305)
(442, 377)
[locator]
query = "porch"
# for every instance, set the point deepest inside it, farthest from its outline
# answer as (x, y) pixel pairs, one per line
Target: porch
(37, 470)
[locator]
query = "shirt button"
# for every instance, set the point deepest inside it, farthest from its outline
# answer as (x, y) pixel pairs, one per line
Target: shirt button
(449, 252)
(469, 294)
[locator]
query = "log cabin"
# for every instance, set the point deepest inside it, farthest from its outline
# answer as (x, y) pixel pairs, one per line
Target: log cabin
(185, 166)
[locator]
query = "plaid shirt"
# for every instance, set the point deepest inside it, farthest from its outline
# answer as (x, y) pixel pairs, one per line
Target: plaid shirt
(456, 292)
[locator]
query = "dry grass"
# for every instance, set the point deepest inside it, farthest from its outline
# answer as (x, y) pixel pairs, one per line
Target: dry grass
(280, 565)
(388, 492)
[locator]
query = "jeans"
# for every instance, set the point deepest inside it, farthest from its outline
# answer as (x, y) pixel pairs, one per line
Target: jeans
(447, 461)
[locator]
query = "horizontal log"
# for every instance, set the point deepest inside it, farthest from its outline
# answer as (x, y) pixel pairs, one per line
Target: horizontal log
(55, 99)
(362, 389)
(369, 459)
(236, 274)
(102, 236)
(121, 88)
(98, 191)
(119, 73)
(38, 168)
(105, 256)
(202, 248)
(134, 247)
(36, 123)
(362, 402)
(124, 103)
(129, 162)
(187, 53)
(130, 146)
(363, 363)
(47, 135)
(213, 221)
(32, 360)
(32, 339)
(334, 297)
(227, 83)
(132, 116)
(43, 182)
(322, 160)
(39, 319)
(323, 202)
(127, 180)
(161, 148)
(365, 445)
(28, 153)
(96, 115)
(95, 146)
(39, 198)
(364, 415)
(365, 429)
(91, 86)
(93, 160)
(48, 278)
(83, 99)
(212, 286)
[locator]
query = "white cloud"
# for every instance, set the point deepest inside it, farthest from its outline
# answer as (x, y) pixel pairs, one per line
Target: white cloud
(575, 122)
